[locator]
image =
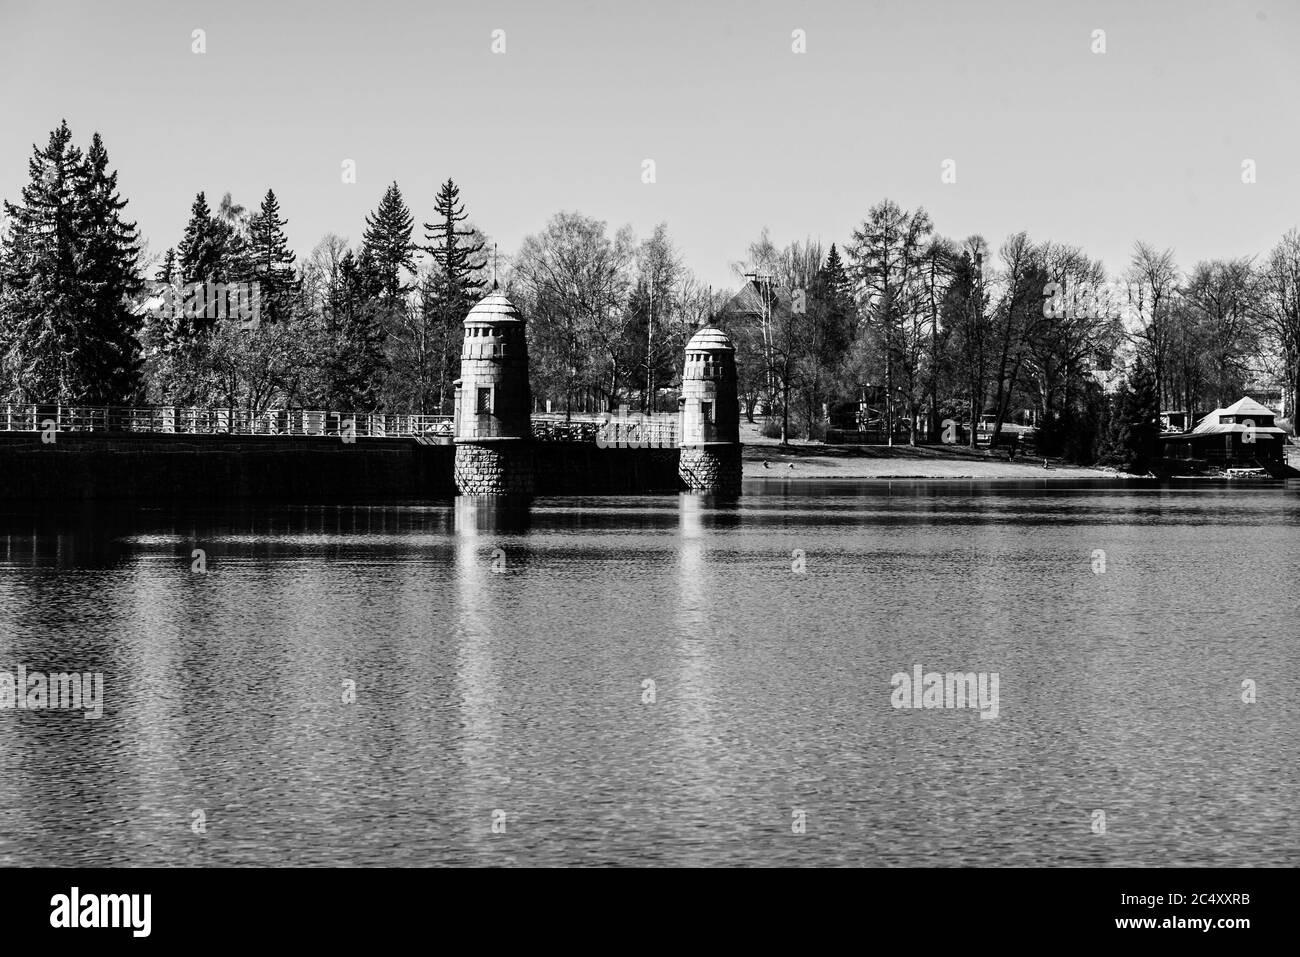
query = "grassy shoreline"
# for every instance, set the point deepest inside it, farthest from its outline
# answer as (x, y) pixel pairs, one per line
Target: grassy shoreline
(901, 462)
(767, 458)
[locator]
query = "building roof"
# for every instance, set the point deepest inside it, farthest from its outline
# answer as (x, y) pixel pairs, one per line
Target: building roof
(1214, 428)
(494, 307)
(1213, 423)
(709, 338)
(751, 299)
(1245, 406)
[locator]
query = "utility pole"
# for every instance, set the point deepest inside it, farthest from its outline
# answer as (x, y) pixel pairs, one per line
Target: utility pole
(649, 350)
(977, 401)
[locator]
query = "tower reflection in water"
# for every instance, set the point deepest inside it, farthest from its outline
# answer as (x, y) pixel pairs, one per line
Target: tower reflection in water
(484, 527)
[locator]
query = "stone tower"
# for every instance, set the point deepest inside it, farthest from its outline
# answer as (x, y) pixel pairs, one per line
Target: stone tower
(710, 434)
(494, 441)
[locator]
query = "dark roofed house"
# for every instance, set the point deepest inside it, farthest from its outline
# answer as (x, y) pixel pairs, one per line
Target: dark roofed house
(1243, 435)
(758, 297)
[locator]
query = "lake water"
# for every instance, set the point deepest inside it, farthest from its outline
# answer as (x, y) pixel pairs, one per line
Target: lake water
(500, 661)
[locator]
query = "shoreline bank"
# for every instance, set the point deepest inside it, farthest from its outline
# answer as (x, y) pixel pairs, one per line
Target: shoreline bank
(903, 463)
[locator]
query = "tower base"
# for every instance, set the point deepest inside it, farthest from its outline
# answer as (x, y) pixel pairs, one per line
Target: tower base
(498, 469)
(714, 468)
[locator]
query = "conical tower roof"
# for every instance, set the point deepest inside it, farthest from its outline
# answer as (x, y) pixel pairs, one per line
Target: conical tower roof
(494, 307)
(711, 339)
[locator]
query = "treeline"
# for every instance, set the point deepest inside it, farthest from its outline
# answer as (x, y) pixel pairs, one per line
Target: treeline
(911, 328)
(362, 328)
(88, 316)
(365, 328)
(896, 329)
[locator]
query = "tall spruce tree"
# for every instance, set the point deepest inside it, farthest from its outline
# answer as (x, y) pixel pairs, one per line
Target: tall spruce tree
(828, 335)
(167, 268)
(68, 266)
(834, 276)
(269, 261)
(203, 255)
(168, 341)
(40, 304)
(456, 252)
(387, 239)
(354, 361)
(835, 293)
(110, 249)
(454, 285)
(212, 250)
(1135, 422)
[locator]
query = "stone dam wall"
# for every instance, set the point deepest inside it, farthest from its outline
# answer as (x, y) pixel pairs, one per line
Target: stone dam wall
(89, 467)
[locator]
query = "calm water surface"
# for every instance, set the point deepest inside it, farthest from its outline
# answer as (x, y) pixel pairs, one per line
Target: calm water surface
(522, 690)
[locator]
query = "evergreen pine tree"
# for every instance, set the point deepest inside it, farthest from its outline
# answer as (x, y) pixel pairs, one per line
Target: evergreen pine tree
(164, 332)
(354, 360)
(454, 285)
(167, 270)
(429, 352)
(455, 252)
(835, 292)
(1134, 423)
(387, 240)
(1143, 419)
(68, 265)
(827, 335)
(269, 261)
(39, 304)
(1114, 433)
(110, 249)
(203, 253)
(834, 276)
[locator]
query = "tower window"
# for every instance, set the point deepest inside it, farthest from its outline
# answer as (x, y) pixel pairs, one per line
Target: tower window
(484, 404)
(706, 411)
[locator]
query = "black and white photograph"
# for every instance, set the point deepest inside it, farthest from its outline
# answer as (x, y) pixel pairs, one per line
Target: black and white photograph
(443, 437)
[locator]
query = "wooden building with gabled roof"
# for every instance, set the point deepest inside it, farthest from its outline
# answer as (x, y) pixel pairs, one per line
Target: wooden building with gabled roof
(1243, 435)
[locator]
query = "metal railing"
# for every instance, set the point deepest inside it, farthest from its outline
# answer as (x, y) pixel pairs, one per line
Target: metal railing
(609, 431)
(205, 421)
(613, 431)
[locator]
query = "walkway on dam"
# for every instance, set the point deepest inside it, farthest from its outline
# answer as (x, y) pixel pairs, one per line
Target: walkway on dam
(620, 428)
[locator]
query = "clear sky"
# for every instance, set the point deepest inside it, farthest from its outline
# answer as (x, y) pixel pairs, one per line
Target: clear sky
(1144, 141)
